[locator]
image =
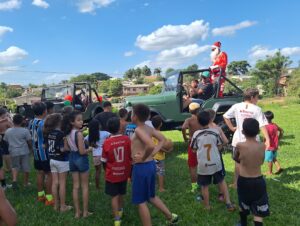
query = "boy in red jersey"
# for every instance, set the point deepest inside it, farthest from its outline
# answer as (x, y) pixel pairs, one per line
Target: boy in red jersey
(192, 125)
(275, 134)
(116, 157)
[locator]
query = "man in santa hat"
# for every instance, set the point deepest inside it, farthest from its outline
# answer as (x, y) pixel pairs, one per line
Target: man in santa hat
(219, 60)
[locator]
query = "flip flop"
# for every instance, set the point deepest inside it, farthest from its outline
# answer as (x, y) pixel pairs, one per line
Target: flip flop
(88, 214)
(67, 208)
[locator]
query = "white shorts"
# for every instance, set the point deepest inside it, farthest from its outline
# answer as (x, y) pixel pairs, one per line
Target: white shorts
(59, 166)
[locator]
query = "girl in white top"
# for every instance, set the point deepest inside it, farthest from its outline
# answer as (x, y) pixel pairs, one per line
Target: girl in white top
(78, 160)
(95, 139)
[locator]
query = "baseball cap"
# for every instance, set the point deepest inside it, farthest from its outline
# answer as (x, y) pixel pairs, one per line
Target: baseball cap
(194, 106)
(205, 74)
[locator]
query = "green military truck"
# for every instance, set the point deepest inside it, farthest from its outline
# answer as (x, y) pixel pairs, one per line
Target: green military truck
(84, 98)
(169, 103)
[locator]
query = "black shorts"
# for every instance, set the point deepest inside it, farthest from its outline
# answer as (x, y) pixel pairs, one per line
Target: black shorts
(3, 146)
(253, 196)
(42, 165)
(114, 189)
(216, 178)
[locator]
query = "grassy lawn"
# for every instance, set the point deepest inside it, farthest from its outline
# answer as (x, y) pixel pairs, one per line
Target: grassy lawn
(284, 189)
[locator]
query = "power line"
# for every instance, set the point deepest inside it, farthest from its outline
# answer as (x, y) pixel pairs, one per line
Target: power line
(36, 71)
(50, 72)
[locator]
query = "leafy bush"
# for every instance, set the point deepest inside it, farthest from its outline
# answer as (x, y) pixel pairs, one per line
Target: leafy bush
(294, 84)
(155, 89)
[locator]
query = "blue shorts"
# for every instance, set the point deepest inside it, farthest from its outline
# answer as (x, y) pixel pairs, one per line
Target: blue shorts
(78, 163)
(270, 155)
(143, 182)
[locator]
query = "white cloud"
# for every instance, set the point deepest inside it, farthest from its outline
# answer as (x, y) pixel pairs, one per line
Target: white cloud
(90, 6)
(11, 55)
(175, 57)
(170, 36)
(260, 52)
(35, 61)
(10, 5)
(4, 30)
(230, 30)
(180, 55)
(40, 3)
(129, 53)
(290, 51)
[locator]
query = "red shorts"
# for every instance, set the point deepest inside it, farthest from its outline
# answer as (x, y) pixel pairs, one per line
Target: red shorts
(192, 158)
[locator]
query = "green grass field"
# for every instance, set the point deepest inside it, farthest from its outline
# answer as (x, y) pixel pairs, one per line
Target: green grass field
(284, 189)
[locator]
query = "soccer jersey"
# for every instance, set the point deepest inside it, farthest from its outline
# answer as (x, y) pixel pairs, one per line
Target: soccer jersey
(36, 130)
(97, 151)
(117, 156)
(54, 145)
(130, 128)
(272, 129)
(206, 143)
(240, 112)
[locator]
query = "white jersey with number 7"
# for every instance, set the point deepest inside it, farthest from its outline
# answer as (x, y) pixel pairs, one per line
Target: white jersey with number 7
(206, 142)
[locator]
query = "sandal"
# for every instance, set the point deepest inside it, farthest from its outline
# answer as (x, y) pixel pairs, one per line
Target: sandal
(230, 207)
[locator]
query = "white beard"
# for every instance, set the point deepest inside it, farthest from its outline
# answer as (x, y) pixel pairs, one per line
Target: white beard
(214, 54)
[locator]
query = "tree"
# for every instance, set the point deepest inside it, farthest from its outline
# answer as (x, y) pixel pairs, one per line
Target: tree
(191, 76)
(3, 86)
(130, 74)
(293, 83)
(146, 71)
(137, 72)
(267, 72)
(90, 77)
(157, 71)
(104, 86)
(238, 67)
(32, 86)
(11, 93)
(115, 87)
(169, 70)
(100, 76)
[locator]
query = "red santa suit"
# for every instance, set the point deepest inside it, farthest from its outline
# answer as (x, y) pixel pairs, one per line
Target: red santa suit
(219, 60)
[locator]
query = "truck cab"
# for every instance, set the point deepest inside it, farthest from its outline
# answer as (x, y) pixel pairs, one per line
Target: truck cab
(169, 103)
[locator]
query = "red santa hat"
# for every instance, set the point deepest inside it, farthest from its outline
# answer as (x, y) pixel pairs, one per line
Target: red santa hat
(216, 45)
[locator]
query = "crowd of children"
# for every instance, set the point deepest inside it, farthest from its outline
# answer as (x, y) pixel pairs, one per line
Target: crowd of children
(135, 151)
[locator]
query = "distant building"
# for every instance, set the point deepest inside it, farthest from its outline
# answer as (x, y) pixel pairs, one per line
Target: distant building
(15, 87)
(240, 77)
(26, 99)
(150, 79)
(135, 89)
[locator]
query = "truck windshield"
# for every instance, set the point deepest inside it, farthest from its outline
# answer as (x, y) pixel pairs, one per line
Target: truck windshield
(171, 81)
(58, 93)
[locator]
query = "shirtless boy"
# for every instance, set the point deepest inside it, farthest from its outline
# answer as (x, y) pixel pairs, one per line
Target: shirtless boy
(144, 169)
(192, 125)
(250, 155)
